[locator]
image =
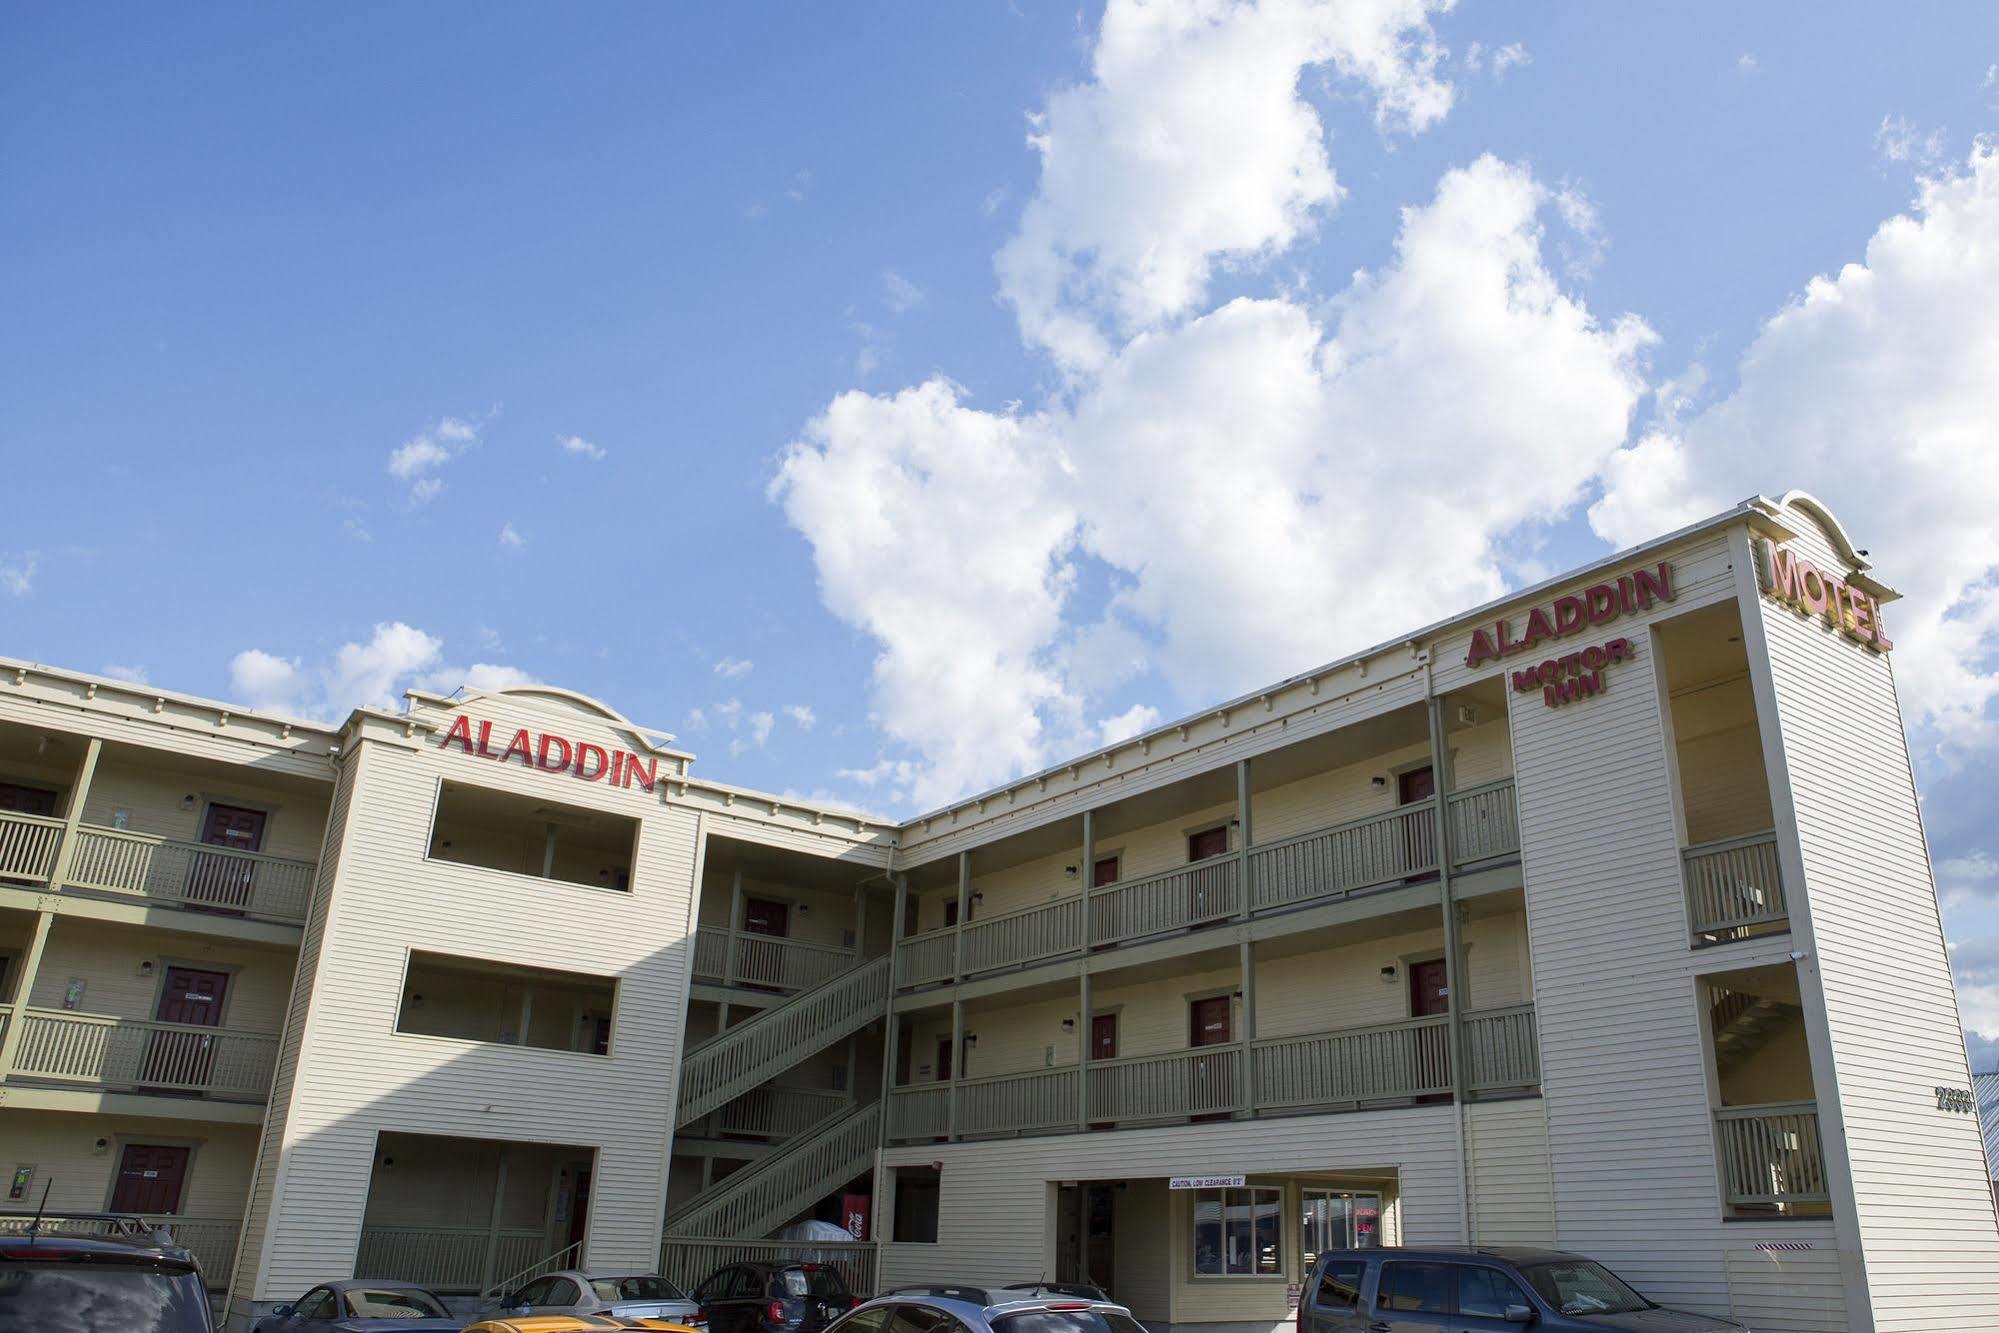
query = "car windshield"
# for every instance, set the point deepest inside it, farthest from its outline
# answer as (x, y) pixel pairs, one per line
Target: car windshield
(812, 1281)
(101, 1298)
(394, 1303)
(643, 1288)
(1067, 1321)
(1582, 1287)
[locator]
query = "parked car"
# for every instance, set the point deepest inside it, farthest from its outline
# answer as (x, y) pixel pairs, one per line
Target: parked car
(573, 1291)
(570, 1323)
(361, 1304)
(1493, 1287)
(946, 1307)
(773, 1298)
(88, 1282)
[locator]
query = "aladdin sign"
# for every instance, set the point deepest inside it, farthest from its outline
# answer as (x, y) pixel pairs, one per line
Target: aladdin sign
(1571, 615)
(555, 754)
(1803, 586)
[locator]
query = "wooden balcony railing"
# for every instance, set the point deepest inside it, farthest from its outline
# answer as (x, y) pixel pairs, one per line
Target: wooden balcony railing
(448, 1259)
(131, 1055)
(688, 1261)
(772, 961)
(772, 1111)
(28, 846)
(1734, 887)
(1346, 1069)
(211, 1240)
(1354, 857)
(1771, 1156)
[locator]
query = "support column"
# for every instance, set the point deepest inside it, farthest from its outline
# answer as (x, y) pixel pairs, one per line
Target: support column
(964, 913)
(1088, 872)
(735, 925)
(860, 921)
(1454, 963)
(892, 1024)
(1246, 961)
(31, 962)
(1084, 1026)
(493, 1222)
(957, 1066)
(1243, 886)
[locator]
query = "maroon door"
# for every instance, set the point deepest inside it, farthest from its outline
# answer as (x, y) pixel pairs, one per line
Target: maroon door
(27, 800)
(1211, 1080)
(223, 883)
(943, 1058)
(1208, 842)
(950, 913)
(179, 1060)
(1105, 871)
(1103, 1037)
(762, 916)
(1208, 896)
(1429, 995)
(149, 1180)
(1208, 1021)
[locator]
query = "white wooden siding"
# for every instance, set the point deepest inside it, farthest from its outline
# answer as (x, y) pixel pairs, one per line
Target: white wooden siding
(1791, 1291)
(1922, 1201)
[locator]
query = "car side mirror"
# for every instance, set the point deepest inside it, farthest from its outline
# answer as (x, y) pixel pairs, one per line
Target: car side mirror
(1519, 1314)
(283, 1312)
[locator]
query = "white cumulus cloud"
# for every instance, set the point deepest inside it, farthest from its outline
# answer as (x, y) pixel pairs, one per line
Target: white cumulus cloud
(17, 572)
(418, 460)
(368, 673)
(578, 447)
(731, 667)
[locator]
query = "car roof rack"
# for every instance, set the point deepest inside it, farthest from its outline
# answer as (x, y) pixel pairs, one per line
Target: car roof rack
(948, 1290)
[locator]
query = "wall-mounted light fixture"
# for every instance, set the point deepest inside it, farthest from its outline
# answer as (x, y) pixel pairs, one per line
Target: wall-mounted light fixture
(1379, 780)
(1070, 871)
(1467, 714)
(187, 801)
(978, 895)
(1068, 1025)
(1388, 974)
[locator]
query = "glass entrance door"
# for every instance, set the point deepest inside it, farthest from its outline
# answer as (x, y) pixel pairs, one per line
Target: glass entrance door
(1338, 1220)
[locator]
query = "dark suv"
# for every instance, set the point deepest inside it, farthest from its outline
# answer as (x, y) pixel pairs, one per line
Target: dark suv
(773, 1298)
(1465, 1291)
(71, 1281)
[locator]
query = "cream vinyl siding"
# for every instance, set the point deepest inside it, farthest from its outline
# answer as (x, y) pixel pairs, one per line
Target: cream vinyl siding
(62, 1147)
(1141, 1222)
(1923, 1203)
(995, 1210)
(1623, 1064)
(260, 1212)
(106, 959)
(1792, 1291)
(1513, 1184)
(364, 1079)
(1719, 749)
(295, 819)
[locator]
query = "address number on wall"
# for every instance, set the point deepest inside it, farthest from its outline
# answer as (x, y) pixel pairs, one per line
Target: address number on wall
(1956, 1099)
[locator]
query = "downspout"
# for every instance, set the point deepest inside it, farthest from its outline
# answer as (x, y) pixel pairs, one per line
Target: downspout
(1440, 761)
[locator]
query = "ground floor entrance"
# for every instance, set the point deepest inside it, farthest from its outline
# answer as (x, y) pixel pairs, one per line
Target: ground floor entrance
(471, 1216)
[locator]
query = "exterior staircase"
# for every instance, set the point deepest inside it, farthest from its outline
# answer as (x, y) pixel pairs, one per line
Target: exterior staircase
(766, 1194)
(754, 1051)
(1739, 1023)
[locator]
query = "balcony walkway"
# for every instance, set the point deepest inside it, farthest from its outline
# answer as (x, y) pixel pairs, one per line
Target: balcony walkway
(104, 1053)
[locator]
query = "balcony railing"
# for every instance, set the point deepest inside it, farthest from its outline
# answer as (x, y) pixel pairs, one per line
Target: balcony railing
(1734, 887)
(772, 961)
(192, 875)
(688, 1261)
(131, 1055)
(453, 1259)
(1354, 857)
(211, 1240)
(1347, 1069)
(1771, 1156)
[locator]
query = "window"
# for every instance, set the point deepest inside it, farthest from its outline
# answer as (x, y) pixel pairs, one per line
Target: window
(476, 826)
(1583, 1287)
(923, 1319)
(563, 1292)
(1487, 1292)
(319, 1304)
(1339, 1286)
(1068, 1321)
(635, 1289)
(1236, 1233)
(916, 1195)
(1423, 1288)
(394, 1303)
(866, 1321)
(103, 1298)
(475, 1000)
(1338, 1220)
(813, 1280)
(535, 1292)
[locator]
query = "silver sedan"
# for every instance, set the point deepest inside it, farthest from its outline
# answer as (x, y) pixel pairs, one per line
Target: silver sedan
(604, 1292)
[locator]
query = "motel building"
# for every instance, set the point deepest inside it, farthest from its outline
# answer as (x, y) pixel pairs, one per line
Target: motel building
(1598, 917)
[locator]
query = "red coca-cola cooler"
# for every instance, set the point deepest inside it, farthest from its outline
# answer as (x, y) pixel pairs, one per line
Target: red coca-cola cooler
(855, 1214)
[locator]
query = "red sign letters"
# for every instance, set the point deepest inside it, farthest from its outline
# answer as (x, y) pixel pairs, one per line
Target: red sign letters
(1569, 615)
(1573, 676)
(555, 754)
(1802, 585)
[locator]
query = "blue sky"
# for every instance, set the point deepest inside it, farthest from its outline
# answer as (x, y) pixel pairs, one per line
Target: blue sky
(298, 308)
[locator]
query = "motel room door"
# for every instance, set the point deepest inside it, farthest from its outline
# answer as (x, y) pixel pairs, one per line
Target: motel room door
(1209, 886)
(1430, 996)
(181, 1057)
(223, 883)
(1419, 835)
(150, 1180)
